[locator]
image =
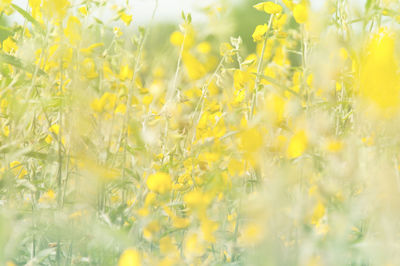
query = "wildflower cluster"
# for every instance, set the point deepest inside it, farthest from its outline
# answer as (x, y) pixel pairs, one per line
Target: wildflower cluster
(208, 152)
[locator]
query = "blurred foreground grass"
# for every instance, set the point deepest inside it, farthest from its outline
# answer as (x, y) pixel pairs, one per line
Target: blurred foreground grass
(180, 145)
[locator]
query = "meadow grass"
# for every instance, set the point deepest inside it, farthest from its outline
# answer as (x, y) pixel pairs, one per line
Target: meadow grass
(129, 145)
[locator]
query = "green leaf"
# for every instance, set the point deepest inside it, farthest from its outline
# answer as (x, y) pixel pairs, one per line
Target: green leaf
(133, 174)
(26, 15)
(276, 83)
(24, 183)
(368, 4)
(12, 60)
(6, 148)
(8, 30)
(98, 21)
(40, 155)
(43, 254)
(89, 143)
(16, 62)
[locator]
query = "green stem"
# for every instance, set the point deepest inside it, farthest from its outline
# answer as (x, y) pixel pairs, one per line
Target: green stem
(259, 68)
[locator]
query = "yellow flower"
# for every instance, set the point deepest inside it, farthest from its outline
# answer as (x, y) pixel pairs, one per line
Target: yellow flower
(369, 141)
(35, 5)
(251, 140)
(48, 139)
(268, 7)
(259, 6)
(193, 245)
(259, 32)
(73, 30)
(167, 245)
(239, 97)
(4, 4)
(117, 31)
(6, 131)
(151, 228)
(179, 222)
(318, 214)
(125, 72)
(236, 167)
(252, 234)
(55, 128)
(334, 146)
(89, 49)
(288, 3)
(379, 79)
(9, 46)
(150, 199)
(130, 257)
(75, 215)
(121, 109)
(48, 196)
(297, 144)
(242, 79)
(197, 199)
(300, 13)
(56, 8)
(343, 53)
(159, 182)
(208, 228)
(127, 19)
(106, 102)
(194, 67)
(89, 68)
(147, 99)
(209, 157)
(3, 105)
(226, 49)
(279, 21)
(176, 38)
(204, 47)
(10, 263)
(83, 10)
(275, 106)
(18, 169)
(107, 71)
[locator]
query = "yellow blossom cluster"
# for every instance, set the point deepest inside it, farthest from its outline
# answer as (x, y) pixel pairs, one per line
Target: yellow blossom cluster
(180, 145)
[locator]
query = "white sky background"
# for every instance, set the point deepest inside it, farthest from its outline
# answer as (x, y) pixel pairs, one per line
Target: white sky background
(169, 9)
(142, 9)
(172, 9)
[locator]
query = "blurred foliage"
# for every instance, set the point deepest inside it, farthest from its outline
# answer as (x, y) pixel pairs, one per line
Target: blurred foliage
(265, 135)
(245, 17)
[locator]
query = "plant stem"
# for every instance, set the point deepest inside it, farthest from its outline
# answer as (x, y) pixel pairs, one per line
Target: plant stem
(259, 68)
